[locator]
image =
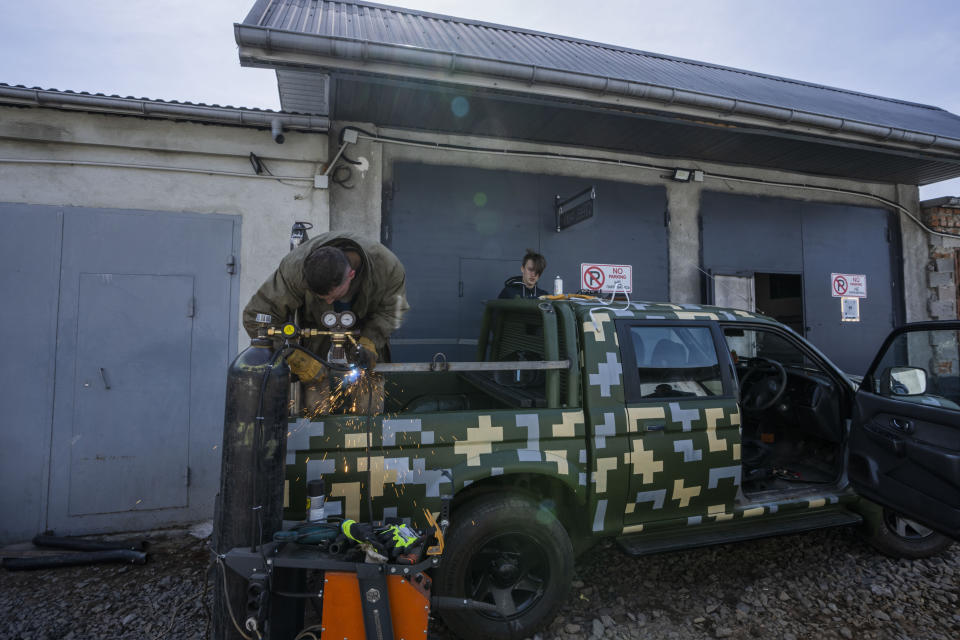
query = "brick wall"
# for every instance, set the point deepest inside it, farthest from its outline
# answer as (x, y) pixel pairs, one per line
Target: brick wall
(944, 266)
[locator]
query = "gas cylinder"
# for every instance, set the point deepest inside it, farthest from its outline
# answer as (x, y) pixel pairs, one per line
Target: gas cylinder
(249, 506)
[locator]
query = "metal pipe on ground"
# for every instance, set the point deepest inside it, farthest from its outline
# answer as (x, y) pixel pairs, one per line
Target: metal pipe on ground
(84, 544)
(74, 559)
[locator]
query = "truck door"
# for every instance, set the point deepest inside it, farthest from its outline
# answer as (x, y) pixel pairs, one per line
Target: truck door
(905, 437)
(683, 424)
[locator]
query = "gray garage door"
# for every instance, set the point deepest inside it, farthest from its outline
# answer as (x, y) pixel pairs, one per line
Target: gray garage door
(135, 313)
(746, 235)
(461, 232)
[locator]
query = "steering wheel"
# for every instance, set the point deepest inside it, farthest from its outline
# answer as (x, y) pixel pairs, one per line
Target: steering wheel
(763, 385)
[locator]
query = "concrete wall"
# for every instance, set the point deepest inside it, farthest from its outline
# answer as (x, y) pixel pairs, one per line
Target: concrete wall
(268, 206)
(683, 198)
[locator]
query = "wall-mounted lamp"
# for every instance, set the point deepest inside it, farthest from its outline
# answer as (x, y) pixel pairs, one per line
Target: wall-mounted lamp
(685, 175)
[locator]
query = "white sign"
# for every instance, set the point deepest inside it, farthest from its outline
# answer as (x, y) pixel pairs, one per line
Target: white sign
(606, 277)
(848, 285)
(850, 309)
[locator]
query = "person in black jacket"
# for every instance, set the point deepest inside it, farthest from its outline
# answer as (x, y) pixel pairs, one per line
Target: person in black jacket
(525, 285)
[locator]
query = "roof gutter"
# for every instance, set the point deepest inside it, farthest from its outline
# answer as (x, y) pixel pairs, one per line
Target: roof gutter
(366, 52)
(157, 109)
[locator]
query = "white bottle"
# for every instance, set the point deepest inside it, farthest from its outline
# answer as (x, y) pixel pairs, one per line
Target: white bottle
(557, 286)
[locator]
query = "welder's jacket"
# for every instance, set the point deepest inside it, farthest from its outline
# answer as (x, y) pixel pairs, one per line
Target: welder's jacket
(379, 295)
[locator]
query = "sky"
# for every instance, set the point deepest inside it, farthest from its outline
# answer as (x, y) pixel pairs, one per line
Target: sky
(185, 49)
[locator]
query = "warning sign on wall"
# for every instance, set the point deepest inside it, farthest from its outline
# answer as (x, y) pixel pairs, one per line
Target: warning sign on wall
(606, 277)
(848, 285)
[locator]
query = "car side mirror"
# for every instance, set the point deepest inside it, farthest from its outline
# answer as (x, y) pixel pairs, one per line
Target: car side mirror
(906, 381)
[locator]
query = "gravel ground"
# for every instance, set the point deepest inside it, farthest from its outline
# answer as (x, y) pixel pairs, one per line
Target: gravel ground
(826, 584)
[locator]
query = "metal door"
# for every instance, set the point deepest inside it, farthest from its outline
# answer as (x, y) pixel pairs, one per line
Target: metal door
(481, 279)
(147, 324)
(744, 234)
(29, 278)
(439, 216)
(443, 221)
(131, 413)
(850, 240)
(629, 227)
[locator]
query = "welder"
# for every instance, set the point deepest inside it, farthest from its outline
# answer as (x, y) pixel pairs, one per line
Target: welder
(337, 272)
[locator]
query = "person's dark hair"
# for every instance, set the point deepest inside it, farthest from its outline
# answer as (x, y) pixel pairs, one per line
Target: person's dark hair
(539, 262)
(324, 269)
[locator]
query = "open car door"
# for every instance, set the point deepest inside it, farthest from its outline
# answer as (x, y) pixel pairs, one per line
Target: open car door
(905, 437)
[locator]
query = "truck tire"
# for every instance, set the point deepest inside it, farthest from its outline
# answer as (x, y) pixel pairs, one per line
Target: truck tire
(894, 535)
(508, 551)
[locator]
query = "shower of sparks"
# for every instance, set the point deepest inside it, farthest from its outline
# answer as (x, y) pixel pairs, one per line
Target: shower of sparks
(358, 392)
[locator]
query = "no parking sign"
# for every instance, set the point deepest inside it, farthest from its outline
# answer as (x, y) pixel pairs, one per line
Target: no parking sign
(848, 285)
(606, 277)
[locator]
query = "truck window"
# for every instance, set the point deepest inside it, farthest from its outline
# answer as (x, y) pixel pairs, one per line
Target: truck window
(676, 362)
(922, 367)
(746, 343)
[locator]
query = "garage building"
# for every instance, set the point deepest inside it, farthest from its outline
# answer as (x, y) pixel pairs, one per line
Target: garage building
(135, 229)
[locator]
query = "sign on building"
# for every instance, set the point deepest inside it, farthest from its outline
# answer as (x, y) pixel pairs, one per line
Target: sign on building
(848, 285)
(606, 278)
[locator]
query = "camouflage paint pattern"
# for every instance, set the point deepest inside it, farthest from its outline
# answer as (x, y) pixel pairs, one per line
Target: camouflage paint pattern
(621, 476)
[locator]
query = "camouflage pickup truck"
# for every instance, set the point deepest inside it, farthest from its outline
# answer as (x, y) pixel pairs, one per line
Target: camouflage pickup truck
(662, 426)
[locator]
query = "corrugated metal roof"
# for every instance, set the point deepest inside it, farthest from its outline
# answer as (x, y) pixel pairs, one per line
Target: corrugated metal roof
(373, 23)
(148, 107)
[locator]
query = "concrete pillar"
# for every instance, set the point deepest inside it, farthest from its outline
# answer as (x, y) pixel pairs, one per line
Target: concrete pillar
(683, 204)
(355, 205)
(914, 251)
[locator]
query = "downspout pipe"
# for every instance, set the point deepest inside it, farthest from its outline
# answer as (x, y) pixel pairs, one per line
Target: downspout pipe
(364, 51)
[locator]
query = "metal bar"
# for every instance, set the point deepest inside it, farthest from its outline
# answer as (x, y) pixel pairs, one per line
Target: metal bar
(551, 347)
(510, 365)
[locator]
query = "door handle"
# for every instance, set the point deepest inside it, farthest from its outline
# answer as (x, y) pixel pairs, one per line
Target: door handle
(103, 376)
(886, 439)
(902, 425)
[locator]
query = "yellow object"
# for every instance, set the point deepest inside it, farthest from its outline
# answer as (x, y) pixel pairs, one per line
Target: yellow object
(437, 549)
(289, 329)
(305, 367)
(367, 344)
(568, 296)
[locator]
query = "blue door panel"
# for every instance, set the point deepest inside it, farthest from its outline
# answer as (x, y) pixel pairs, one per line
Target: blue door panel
(29, 279)
(131, 416)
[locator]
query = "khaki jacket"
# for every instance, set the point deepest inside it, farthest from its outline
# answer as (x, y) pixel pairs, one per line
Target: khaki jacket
(379, 292)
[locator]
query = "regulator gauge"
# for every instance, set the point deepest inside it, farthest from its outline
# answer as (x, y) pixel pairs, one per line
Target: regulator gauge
(347, 319)
(329, 319)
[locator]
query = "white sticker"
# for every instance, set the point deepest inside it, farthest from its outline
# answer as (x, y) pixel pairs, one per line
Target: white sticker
(850, 309)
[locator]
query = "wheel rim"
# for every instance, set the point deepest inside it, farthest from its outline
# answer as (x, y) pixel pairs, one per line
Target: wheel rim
(904, 527)
(510, 571)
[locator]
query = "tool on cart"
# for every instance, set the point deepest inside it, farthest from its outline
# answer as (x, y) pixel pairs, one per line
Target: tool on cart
(359, 597)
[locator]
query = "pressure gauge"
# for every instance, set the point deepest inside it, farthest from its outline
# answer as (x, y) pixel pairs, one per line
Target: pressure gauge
(329, 319)
(347, 319)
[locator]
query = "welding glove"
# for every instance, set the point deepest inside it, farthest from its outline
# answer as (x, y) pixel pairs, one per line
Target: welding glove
(365, 354)
(305, 367)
